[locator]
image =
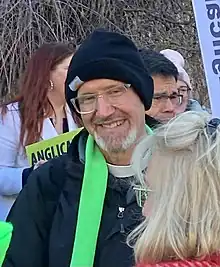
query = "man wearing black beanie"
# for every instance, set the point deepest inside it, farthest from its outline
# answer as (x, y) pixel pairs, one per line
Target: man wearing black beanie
(77, 210)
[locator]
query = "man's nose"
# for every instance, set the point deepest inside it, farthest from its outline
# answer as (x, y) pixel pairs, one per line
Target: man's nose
(103, 107)
(169, 107)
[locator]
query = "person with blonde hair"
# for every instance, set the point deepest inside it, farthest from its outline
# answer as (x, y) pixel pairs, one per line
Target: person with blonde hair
(182, 186)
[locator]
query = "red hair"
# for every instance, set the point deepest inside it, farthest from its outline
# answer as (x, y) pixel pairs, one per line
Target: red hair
(33, 102)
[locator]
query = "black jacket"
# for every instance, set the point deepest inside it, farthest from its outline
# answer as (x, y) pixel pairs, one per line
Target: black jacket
(44, 216)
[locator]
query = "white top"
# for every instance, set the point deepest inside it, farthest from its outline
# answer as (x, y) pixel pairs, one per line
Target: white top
(13, 159)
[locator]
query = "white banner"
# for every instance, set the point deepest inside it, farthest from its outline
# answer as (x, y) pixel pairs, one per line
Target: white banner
(207, 15)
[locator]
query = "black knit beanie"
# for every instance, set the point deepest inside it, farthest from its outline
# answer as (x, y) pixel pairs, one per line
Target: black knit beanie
(108, 55)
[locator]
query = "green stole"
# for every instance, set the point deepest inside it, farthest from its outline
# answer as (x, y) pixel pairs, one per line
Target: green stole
(5, 238)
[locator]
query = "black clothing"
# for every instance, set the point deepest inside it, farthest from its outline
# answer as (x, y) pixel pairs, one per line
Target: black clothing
(44, 216)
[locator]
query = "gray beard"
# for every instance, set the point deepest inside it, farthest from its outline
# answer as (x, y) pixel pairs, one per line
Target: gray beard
(128, 142)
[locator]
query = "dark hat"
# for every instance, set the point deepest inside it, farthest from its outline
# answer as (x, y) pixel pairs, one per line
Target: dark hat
(108, 55)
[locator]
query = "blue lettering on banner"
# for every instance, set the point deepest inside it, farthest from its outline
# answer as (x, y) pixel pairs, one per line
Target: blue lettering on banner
(207, 15)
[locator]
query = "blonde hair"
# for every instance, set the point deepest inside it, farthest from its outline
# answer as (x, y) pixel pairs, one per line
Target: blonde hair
(185, 179)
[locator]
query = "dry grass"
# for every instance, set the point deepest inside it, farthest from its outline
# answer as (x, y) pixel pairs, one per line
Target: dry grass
(158, 24)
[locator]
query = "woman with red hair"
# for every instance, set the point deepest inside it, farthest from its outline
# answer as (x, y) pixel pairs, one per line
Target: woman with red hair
(39, 112)
(182, 185)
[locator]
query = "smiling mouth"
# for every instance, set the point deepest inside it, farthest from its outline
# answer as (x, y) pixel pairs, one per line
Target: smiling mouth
(112, 125)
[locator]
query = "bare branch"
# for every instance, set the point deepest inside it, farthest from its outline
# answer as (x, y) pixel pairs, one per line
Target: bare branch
(157, 24)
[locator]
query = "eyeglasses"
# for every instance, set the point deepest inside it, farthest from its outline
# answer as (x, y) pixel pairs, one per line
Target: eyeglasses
(176, 99)
(142, 194)
(87, 103)
(183, 90)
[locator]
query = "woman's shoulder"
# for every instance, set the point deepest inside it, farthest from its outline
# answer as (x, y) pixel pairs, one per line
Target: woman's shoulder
(9, 108)
(10, 114)
(13, 107)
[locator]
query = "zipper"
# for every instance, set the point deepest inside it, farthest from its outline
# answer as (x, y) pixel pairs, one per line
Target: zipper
(121, 216)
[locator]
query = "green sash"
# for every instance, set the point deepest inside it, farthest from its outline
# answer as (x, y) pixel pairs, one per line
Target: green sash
(5, 238)
(90, 206)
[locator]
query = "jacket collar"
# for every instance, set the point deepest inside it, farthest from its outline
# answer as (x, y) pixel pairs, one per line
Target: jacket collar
(49, 131)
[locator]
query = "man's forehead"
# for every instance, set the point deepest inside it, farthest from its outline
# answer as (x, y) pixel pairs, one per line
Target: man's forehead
(166, 93)
(164, 85)
(97, 85)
